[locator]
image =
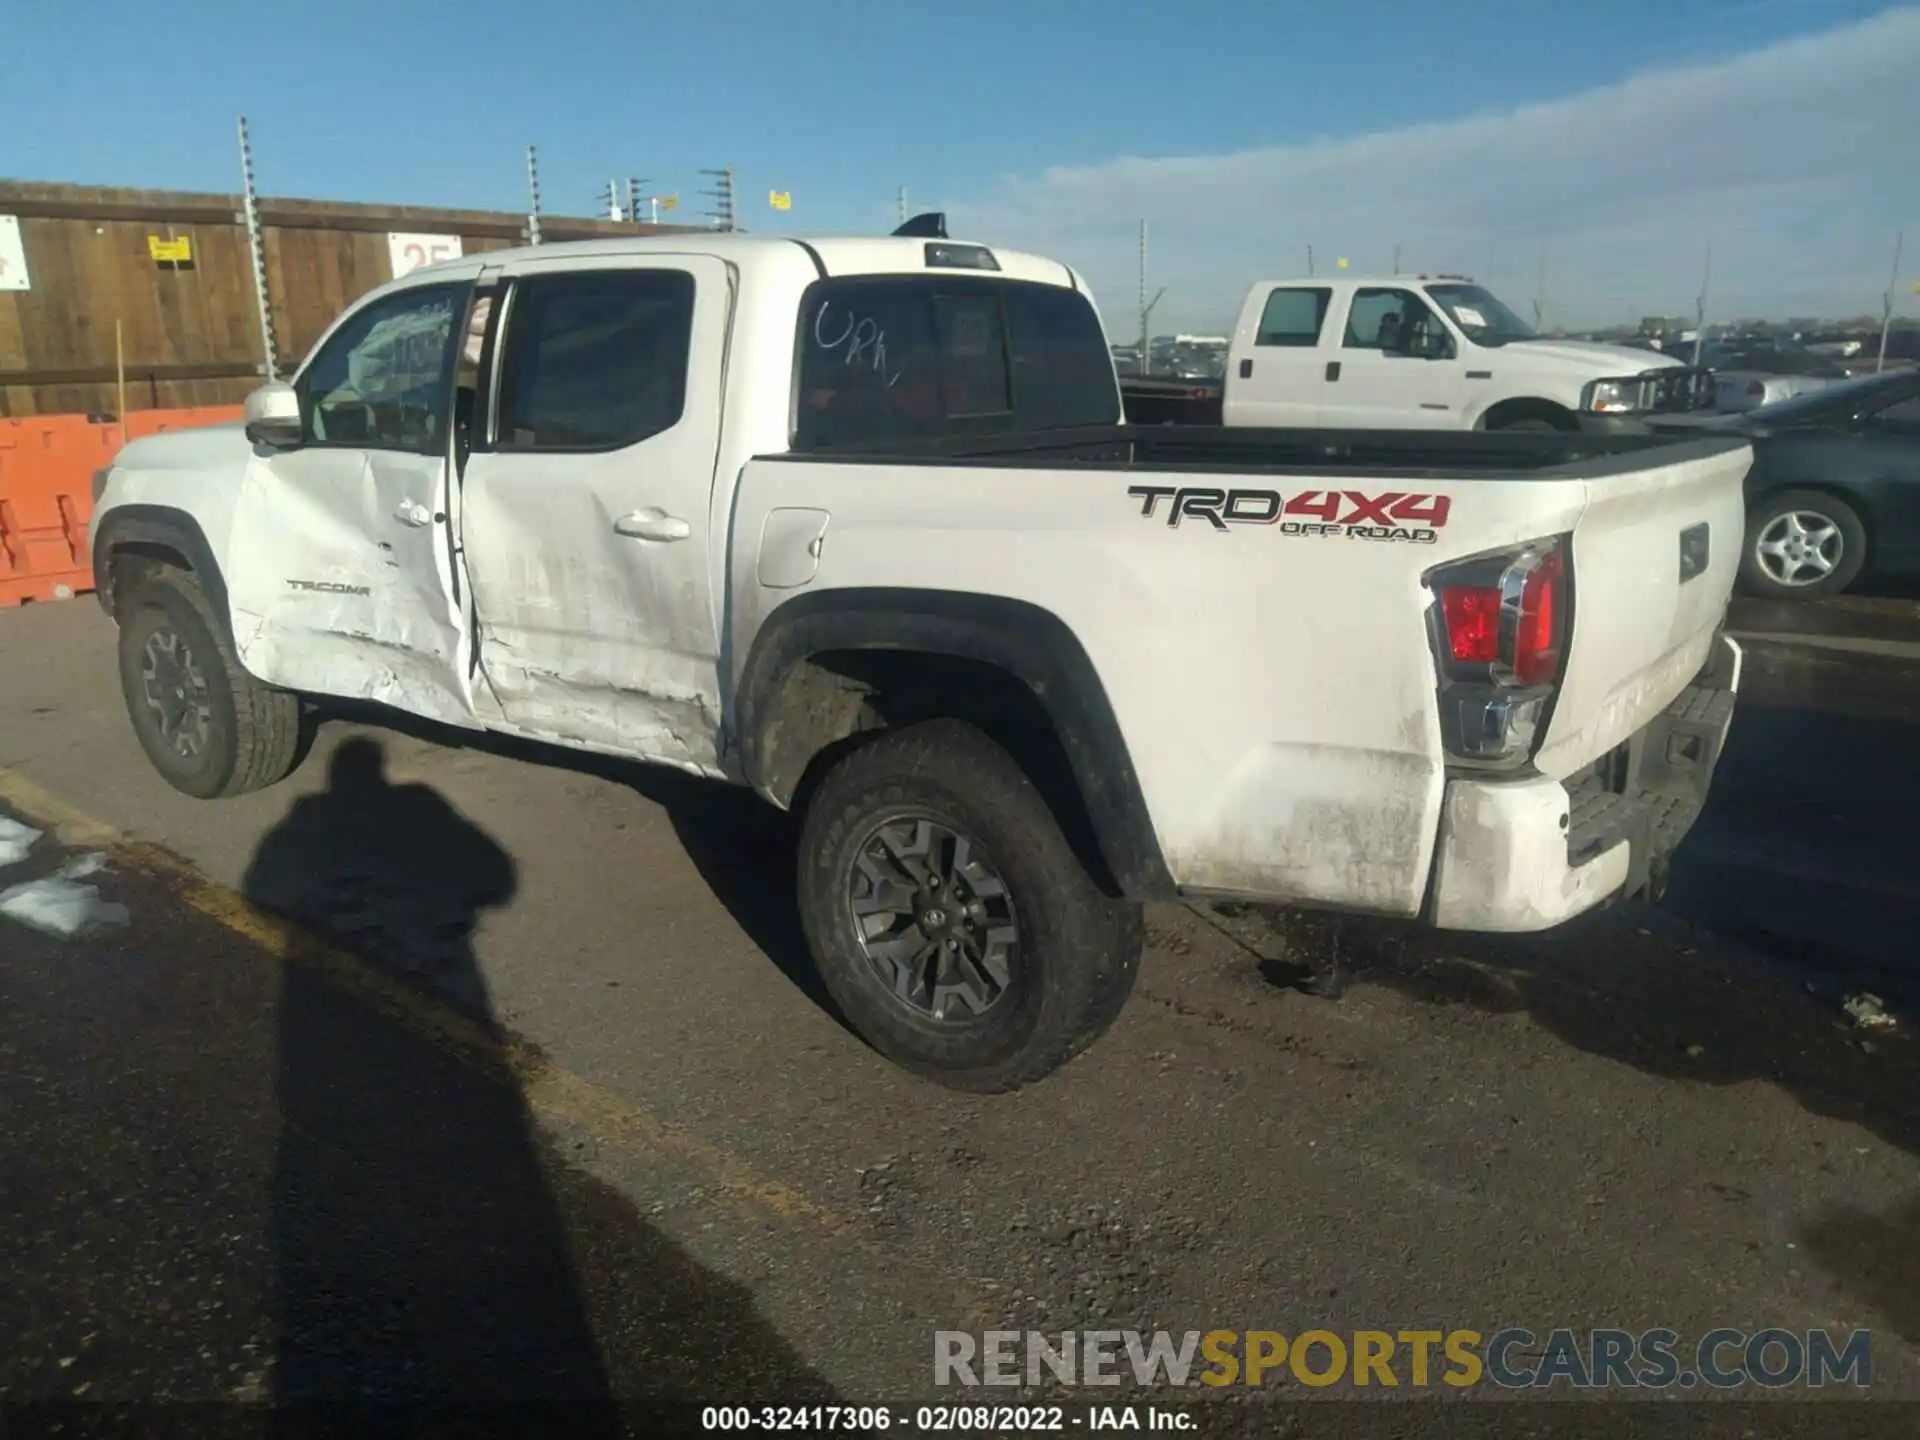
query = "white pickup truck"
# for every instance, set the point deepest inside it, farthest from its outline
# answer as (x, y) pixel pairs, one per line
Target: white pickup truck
(854, 522)
(1418, 352)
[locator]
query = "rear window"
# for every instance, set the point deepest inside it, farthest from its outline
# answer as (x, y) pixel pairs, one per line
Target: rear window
(909, 357)
(1294, 317)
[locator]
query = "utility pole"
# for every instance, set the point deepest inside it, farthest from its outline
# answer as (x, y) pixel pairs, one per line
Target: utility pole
(533, 190)
(903, 204)
(612, 199)
(1886, 303)
(1700, 307)
(1540, 294)
(1396, 259)
(1142, 296)
(257, 248)
(1309, 260)
(633, 198)
(1146, 314)
(722, 214)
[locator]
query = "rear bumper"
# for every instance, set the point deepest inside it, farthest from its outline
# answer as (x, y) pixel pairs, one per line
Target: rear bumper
(1529, 854)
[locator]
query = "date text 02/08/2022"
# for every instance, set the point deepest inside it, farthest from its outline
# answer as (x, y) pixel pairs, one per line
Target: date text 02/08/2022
(944, 1419)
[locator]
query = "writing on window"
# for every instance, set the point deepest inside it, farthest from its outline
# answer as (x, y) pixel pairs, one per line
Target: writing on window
(383, 381)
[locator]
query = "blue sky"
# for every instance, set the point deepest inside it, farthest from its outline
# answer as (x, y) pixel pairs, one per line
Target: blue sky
(1242, 131)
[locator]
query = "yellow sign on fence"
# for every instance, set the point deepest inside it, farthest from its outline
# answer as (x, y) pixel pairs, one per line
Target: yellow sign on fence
(669, 202)
(171, 252)
(779, 199)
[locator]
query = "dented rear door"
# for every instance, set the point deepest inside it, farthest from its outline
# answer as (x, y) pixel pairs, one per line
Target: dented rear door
(584, 507)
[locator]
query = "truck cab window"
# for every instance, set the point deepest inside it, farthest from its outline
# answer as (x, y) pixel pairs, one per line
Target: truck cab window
(902, 357)
(1394, 322)
(1294, 317)
(382, 381)
(595, 360)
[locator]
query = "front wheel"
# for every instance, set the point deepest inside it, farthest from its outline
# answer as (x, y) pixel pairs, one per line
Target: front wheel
(208, 726)
(1802, 545)
(949, 916)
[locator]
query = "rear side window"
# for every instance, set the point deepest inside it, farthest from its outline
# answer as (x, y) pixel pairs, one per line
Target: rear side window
(903, 357)
(595, 360)
(1294, 317)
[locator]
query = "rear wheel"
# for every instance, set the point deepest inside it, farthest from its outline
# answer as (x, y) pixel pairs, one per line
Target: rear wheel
(1802, 545)
(209, 728)
(949, 916)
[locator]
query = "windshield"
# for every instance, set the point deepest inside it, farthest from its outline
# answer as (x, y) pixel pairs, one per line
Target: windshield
(1480, 315)
(1841, 398)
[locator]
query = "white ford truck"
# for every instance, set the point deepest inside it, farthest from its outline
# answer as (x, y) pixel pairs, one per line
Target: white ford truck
(1418, 352)
(855, 523)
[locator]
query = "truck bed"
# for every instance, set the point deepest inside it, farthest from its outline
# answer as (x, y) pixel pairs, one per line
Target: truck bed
(1440, 454)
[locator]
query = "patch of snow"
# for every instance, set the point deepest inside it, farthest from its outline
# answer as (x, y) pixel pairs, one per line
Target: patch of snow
(62, 907)
(15, 840)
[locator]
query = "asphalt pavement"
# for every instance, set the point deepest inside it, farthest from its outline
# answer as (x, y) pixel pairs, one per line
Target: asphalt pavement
(534, 1100)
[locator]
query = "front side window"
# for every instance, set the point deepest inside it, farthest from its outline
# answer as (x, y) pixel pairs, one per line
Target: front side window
(897, 357)
(1294, 318)
(1394, 322)
(595, 360)
(383, 381)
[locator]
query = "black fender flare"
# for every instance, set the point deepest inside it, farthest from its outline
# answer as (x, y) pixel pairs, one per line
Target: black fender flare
(161, 526)
(1030, 643)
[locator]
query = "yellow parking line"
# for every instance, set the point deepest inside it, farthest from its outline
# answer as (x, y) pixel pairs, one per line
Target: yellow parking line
(556, 1094)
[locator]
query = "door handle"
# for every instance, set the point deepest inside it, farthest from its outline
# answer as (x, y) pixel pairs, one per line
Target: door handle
(1333, 369)
(412, 512)
(652, 524)
(1246, 369)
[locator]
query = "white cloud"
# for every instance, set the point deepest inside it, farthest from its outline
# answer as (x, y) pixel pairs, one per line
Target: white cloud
(1798, 160)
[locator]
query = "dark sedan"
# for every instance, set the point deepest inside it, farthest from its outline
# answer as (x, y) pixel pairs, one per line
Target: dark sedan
(1834, 493)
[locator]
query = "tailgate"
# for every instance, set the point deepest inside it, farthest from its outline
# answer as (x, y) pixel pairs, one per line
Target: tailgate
(1653, 561)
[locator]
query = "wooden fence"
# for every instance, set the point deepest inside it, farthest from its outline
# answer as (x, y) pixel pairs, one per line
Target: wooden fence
(109, 294)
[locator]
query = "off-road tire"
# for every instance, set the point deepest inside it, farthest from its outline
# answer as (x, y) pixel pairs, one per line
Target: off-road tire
(1080, 947)
(1754, 579)
(253, 730)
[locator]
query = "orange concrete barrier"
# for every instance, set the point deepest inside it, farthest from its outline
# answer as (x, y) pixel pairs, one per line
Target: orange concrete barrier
(46, 493)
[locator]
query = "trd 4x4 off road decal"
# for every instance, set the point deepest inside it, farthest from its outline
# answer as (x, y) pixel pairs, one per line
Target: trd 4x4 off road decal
(1414, 518)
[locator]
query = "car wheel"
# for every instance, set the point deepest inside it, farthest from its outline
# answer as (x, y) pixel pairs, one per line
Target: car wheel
(949, 916)
(1802, 545)
(209, 728)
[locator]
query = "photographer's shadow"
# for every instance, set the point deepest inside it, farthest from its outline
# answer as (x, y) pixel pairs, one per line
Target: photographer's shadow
(426, 1234)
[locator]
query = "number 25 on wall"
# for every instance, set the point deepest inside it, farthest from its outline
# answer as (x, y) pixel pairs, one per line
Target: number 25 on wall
(410, 252)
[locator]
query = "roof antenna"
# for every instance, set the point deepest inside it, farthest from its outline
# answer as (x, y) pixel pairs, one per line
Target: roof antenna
(930, 226)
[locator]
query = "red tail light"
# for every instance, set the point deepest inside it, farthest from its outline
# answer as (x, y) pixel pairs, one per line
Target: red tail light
(1473, 622)
(1536, 654)
(1500, 625)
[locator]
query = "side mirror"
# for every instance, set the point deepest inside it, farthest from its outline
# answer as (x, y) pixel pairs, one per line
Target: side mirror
(273, 416)
(1435, 344)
